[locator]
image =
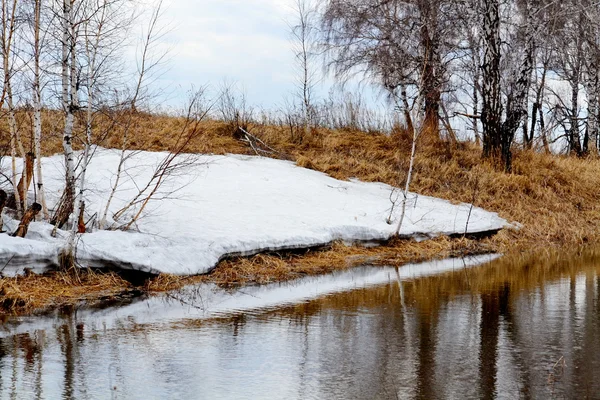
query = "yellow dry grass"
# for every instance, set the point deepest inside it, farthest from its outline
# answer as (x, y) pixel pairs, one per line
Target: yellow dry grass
(554, 198)
(39, 293)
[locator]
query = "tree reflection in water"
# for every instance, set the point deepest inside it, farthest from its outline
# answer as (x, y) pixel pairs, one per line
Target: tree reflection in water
(522, 327)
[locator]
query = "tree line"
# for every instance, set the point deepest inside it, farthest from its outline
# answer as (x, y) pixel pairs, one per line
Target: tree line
(514, 70)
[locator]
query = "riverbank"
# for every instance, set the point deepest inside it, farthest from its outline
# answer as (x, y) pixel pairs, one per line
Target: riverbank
(55, 290)
(553, 198)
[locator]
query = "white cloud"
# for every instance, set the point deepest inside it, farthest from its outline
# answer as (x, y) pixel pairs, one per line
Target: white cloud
(242, 41)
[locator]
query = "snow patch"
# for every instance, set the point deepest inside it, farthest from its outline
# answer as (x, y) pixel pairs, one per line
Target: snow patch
(226, 205)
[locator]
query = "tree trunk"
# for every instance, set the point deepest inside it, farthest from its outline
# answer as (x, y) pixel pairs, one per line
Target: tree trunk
(516, 109)
(476, 109)
(431, 68)
(406, 109)
(592, 118)
(3, 199)
(534, 114)
(537, 108)
(28, 216)
(37, 112)
(8, 27)
(68, 102)
(543, 131)
(491, 111)
(26, 178)
(80, 220)
(574, 138)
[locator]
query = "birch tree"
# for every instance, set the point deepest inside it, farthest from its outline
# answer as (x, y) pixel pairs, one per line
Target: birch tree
(7, 37)
(500, 123)
(591, 18)
(104, 31)
(394, 43)
(69, 103)
(569, 65)
(305, 48)
(37, 106)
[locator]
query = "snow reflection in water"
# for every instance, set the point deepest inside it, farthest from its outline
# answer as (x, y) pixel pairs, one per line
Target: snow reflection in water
(499, 330)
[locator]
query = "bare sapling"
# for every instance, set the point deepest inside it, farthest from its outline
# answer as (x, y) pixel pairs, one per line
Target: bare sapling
(233, 107)
(472, 205)
(417, 119)
(148, 63)
(303, 34)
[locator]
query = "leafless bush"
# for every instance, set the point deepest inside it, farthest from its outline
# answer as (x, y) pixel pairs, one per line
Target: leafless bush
(348, 111)
(175, 163)
(292, 121)
(233, 108)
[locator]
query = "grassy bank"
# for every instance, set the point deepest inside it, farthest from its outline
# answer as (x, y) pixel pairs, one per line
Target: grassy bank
(555, 199)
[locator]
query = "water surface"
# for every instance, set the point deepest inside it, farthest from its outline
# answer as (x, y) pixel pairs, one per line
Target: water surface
(516, 327)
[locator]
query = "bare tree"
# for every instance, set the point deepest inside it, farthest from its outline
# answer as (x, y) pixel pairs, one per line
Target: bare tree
(37, 107)
(569, 64)
(70, 104)
(591, 31)
(305, 48)
(418, 124)
(395, 43)
(103, 32)
(498, 133)
(149, 63)
(7, 37)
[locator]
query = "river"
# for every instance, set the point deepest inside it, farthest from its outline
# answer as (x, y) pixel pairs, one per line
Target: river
(523, 326)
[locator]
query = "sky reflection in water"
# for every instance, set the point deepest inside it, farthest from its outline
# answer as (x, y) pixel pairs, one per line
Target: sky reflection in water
(519, 327)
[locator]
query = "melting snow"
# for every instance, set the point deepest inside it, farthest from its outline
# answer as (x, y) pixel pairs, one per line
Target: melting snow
(229, 205)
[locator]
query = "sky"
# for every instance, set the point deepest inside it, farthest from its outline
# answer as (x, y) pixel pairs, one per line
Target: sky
(243, 42)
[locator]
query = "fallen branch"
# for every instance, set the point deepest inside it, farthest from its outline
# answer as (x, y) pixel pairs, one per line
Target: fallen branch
(259, 147)
(29, 216)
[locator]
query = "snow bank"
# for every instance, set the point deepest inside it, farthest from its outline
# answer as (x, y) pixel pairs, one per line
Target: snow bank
(229, 205)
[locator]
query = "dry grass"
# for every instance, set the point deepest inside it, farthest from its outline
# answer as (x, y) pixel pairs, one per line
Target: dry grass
(555, 198)
(39, 293)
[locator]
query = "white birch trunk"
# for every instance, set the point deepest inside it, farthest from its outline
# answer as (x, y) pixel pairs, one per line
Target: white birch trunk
(7, 35)
(592, 117)
(68, 69)
(417, 124)
(91, 52)
(37, 113)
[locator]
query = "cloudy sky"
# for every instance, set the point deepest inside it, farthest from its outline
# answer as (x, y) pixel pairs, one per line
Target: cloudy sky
(246, 42)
